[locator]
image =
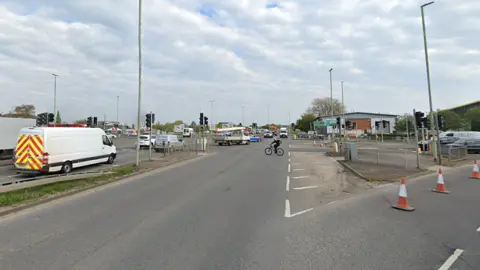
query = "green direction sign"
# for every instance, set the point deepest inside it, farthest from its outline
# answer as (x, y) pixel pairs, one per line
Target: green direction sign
(318, 124)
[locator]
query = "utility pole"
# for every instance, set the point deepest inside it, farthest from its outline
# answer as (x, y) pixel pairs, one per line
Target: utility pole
(150, 142)
(408, 133)
(343, 116)
(54, 99)
(427, 65)
(331, 102)
(268, 116)
(211, 114)
(139, 78)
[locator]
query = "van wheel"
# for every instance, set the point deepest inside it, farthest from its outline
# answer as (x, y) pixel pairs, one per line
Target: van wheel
(67, 167)
(110, 159)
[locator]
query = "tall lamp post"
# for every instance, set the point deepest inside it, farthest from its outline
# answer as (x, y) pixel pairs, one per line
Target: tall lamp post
(343, 116)
(118, 97)
(331, 101)
(433, 119)
(54, 99)
(211, 114)
(139, 77)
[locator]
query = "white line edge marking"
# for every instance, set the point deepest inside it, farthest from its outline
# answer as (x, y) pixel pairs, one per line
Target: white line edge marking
(287, 208)
(300, 177)
(301, 212)
(307, 187)
(288, 183)
(451, 260)
(299, 169)
(289, 167)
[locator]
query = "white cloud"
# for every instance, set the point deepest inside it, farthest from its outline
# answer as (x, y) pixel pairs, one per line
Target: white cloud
(241, 53)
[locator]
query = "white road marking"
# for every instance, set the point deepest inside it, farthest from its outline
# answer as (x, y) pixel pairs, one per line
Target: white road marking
(289, 154)
(289, 167)
(288, 183)
(308, 187)
(300, 177)
(478, 230)
(301, 212)
(451, 260)
(299, 169)
(287, 210)
(289, 160)
(15, 175)
(295, 163)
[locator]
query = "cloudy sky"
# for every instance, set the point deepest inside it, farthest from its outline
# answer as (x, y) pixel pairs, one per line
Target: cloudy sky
(242, 52)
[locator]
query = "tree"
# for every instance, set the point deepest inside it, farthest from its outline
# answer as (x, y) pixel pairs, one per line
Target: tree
(473, 116)
(401, 124)
(194, 124)
(22, 111)
(58, 119)
(305, 121)
(451, 120)
(81, 121)
(323, 107)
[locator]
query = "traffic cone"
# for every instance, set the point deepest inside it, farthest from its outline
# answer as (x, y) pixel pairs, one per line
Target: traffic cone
(402, 203)
(475, 172)
(440, 184)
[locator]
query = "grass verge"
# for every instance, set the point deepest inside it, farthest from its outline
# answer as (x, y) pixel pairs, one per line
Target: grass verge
(33, 193)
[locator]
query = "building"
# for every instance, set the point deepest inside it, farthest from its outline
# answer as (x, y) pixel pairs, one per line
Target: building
(462, 109)
(362, 122)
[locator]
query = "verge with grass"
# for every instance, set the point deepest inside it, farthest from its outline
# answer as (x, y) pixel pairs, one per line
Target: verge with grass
(30, 194)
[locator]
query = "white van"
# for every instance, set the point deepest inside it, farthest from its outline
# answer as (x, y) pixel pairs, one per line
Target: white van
(173, 142)
(52, 149)
(452, 136)
(188, 132)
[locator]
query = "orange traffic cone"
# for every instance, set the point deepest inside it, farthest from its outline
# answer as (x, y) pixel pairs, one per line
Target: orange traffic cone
(402, 203)
(475, 172)
(440, 184)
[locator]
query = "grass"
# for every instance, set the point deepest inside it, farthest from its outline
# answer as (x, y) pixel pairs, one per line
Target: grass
(32, 193)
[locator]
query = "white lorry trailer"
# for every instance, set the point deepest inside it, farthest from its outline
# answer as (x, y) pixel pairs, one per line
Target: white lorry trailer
(9, 128)
(229, 136)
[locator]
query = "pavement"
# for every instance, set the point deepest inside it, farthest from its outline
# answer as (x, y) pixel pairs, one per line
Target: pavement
(238, 210)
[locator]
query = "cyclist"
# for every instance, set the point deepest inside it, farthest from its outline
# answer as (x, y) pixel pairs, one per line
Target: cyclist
(276, 142)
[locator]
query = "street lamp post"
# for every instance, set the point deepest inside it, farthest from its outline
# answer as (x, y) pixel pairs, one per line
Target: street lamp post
(427, 65)
(139, 77)
(331, 100)
(343, 116)
(268, 116)
(54, 99)
(118, 97)
(243, 115)
(211, 114)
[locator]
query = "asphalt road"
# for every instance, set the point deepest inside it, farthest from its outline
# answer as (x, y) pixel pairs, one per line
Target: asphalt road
(229, 211)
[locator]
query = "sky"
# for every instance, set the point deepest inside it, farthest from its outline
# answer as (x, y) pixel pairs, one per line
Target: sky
(256, 60)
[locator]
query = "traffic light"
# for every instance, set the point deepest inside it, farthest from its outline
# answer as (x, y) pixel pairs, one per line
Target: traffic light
(440, 122)
(426, 122)
(418, 118)
(42, 119)
(348, 124)
(292, 125)
(201, 119)
(89, 121)
(377, 125)
(95, 121)
(153, 118)
(148, 120)
(206, 121)
(338, 121)
(51, 117)
(384, 123)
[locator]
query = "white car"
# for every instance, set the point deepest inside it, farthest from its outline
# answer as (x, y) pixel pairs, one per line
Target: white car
(145, 141)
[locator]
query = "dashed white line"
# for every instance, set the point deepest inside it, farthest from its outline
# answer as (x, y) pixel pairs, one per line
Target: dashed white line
(289, 160)
(287, 208)
(451, 260)
(289, 154)
(289, 167)
(300, 177)
(307, 187)
(299, 169)
(288, 183)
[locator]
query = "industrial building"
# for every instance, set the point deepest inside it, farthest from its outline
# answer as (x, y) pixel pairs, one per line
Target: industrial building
(462, 109)
(356, 123)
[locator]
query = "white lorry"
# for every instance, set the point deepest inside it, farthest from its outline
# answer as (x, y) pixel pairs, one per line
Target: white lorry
(9, 128)
(52, 149)
(283, 132)
(229, 136)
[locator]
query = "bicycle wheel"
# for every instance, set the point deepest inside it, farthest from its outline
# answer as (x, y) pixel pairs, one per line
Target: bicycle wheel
(280, 152)
(268, 151)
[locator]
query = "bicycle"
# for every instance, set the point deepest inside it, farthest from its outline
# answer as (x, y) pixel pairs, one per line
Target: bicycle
(269, 150)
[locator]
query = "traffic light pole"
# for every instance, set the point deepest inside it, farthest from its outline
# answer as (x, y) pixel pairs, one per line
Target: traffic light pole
(416, 142)
(150, 142)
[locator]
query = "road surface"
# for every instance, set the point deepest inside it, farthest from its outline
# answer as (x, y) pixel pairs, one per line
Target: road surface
(240, 209)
